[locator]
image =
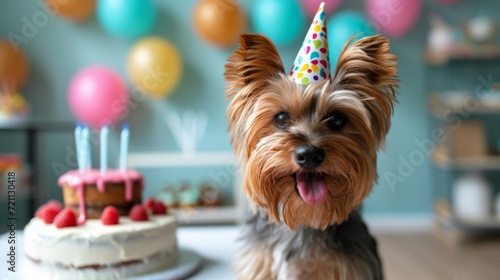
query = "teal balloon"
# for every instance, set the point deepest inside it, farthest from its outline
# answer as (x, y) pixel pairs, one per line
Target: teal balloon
(341, 27)
(129, 19)
(281, 20)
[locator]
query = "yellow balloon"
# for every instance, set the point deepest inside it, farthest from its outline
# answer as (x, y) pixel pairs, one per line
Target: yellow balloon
(155, 66)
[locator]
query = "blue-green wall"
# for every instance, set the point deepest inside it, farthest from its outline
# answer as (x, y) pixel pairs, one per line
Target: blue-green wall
(59, 49)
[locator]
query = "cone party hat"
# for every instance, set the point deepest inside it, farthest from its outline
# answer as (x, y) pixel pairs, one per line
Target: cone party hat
(312, 62)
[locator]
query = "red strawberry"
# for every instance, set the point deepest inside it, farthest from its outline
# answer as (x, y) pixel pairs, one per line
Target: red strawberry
(138, 213)
(48, 213)
(159, 208)
(55, 205)
(149, 204)
(39, 211)
(65, 218)
(110, 216)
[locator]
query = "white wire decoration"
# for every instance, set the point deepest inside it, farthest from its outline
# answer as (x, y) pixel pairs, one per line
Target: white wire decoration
(189, 130)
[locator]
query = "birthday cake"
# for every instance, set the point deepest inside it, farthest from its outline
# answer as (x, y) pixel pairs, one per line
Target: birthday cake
(102, 231)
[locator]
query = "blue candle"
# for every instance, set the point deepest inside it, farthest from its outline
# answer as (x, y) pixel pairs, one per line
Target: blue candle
(78, 144)
(124, 147)
(86, 148)
(104, 149)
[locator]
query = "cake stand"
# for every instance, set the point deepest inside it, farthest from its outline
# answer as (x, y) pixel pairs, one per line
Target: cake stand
(189, 263)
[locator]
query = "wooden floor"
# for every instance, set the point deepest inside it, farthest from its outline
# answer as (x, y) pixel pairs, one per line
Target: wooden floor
(422, 257)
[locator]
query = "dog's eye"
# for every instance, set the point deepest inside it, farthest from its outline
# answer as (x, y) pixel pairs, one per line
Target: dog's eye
(282, 120)
(336, 120)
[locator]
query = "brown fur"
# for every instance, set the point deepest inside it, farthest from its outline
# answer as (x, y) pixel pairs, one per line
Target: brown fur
(362, 88)
(328, 266)
(258, 89)
(257, 263)
(369, 68)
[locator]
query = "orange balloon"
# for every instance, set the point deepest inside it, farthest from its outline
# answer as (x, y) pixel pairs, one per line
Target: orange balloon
(219, 22)
(13, 66)
(74, 10)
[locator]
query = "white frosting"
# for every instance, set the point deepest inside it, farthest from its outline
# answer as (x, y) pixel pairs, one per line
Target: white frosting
(96, 244)
(32, 270)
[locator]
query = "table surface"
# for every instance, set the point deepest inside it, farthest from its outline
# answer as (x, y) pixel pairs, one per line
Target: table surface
(216, 245)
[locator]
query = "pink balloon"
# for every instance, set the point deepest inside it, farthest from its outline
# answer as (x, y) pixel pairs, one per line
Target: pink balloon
(311, 6)
(98, 96)
(393, 17)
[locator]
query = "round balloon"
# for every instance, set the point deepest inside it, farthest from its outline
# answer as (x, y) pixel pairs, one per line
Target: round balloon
(126, 18)
(219, 21)
(75, 10)
(155, 66)
(394, 18)
(98, 96)
(311, 6)
(13, 66)
(281, 20)
(342, 27)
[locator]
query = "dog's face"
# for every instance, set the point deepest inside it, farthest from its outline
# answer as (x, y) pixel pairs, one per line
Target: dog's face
(309, 153)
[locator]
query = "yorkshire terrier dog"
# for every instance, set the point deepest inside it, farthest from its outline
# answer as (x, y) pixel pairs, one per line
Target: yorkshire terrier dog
(308, 152)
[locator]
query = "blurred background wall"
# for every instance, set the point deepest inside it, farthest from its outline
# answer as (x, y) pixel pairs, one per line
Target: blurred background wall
(59, 49)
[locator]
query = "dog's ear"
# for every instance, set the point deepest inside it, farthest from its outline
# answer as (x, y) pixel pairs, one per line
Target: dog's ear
(254, 62)
(252, 66)
(368, 68)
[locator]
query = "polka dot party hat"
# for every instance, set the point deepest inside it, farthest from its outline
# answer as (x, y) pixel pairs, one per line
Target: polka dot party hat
(312, 62)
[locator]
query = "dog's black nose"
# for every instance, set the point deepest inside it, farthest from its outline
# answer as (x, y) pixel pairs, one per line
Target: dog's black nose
(309, 156)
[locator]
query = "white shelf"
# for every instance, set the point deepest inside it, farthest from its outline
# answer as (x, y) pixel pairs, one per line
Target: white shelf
(207, 215)
(441, 105)
(464, 53)
(468, 163)
(197, 215)
(446, 218)
(487, 223)
(153, 159)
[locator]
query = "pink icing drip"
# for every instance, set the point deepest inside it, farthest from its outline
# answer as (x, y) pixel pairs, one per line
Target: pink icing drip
(81, 200)
(77, 179)
(128, 190)
(101, 185)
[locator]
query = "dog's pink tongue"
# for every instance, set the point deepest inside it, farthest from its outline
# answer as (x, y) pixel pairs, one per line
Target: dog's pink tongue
(312, 187)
